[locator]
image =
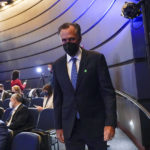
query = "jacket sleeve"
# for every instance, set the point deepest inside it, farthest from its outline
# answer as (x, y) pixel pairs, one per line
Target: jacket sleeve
(22, 86)
(107, 92)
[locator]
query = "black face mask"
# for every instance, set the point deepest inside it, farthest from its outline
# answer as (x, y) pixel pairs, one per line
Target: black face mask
(71, 48)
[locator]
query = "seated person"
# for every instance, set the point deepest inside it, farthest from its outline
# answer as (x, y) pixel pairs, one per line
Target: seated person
(16, 89)
(3, 94)
(20, 118)
(48, 98)
(33, 93)
(3, 135)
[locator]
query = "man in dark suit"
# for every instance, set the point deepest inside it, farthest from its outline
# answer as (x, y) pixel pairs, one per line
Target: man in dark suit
(84, 98)
(20, 118)
(3, 94)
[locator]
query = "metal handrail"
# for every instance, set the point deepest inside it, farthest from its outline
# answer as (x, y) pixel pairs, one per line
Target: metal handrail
(134, 101)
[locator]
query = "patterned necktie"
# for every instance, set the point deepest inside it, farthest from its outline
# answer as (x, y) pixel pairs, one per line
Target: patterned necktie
(74, 78)
(74, 72)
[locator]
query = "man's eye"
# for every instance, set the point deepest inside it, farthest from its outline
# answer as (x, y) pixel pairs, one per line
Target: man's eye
(71, 39)
(64, 40)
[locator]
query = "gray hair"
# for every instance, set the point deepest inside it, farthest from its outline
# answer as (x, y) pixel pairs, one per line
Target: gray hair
(18, 97)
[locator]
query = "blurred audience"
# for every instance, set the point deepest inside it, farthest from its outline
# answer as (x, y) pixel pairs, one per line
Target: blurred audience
(50, 69)
(20, 118)
(35, 92)
(48, 98)
(3, 94)
(16, 81)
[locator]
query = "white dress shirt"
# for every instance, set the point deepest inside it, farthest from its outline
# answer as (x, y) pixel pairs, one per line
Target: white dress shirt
(69, 62)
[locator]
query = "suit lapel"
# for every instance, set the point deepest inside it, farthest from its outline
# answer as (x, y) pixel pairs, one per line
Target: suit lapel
(2, 96)
(82, 68)
(65, 73)
(83, 64)
(18, 109)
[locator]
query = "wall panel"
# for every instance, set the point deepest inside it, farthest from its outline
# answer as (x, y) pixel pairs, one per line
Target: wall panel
(27, 15)
(17, 9)
(119, 49)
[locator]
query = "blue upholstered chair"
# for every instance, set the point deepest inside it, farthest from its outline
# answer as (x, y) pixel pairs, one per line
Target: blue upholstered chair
(36, 101)
(26, 141)
(4, 134)
(6, 103)
(35, 114)
(46, 123)
(46, 120)
(6, 114)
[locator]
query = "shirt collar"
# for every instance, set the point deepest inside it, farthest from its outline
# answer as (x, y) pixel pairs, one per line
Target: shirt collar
(17, 107)
(77, 56)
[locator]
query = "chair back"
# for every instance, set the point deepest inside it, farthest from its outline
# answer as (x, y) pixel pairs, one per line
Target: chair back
(3, 135)
(9, 139)
(46, 120)
(6, 114)
(6, 103)
(36, 101)
(26, 92)
(26, 141)
(35, 114)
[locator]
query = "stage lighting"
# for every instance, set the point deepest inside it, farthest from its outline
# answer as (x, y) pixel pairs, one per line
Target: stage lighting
(39, 70)
(131, 10)
(2, 4)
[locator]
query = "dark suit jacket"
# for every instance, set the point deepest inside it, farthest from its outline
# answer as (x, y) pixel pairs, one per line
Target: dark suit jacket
(94, 97)
(22, 120)
(5, 95)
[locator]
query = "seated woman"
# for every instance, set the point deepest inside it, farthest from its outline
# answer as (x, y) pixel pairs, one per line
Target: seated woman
(16, 81)
(16, 89)
(48, 98)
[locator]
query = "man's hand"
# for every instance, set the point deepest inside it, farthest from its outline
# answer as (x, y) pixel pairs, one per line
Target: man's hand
(60, 135)
(109, 132)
